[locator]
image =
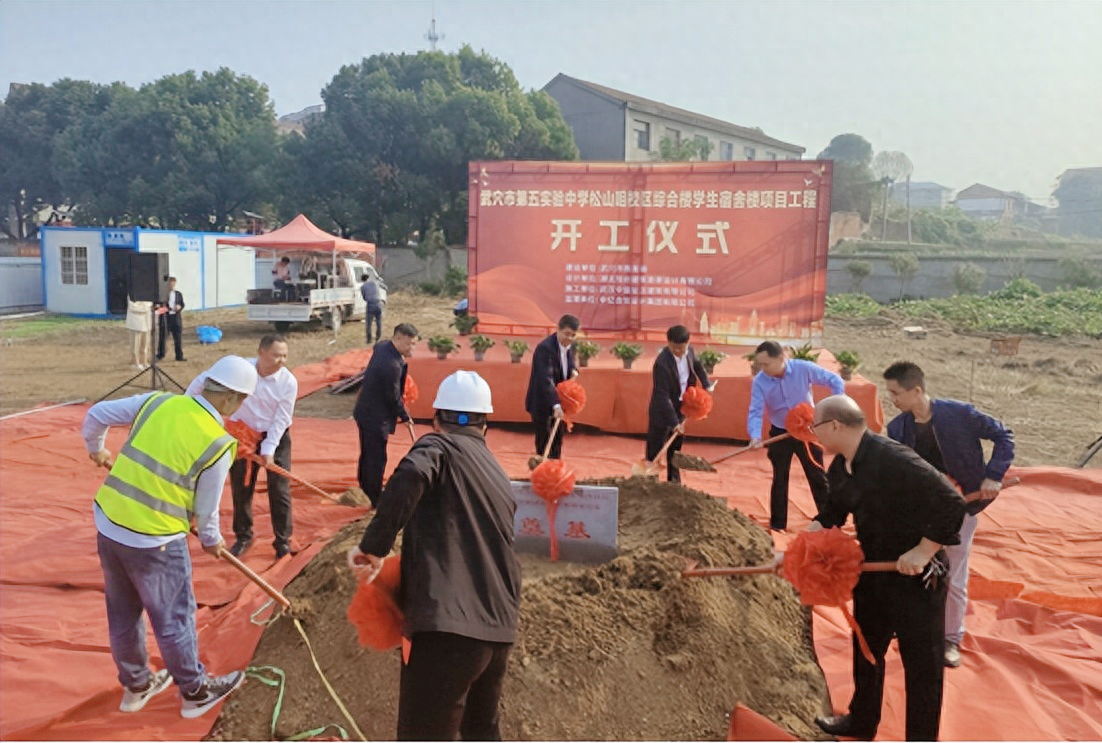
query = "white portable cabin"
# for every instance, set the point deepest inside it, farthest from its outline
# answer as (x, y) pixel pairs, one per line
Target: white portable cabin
(85, 270)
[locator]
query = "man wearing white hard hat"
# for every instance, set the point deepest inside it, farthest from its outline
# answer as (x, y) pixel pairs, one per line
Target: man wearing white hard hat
(460, 579)
(173, 465)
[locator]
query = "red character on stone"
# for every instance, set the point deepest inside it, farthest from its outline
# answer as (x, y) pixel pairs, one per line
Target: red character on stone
(576, 530)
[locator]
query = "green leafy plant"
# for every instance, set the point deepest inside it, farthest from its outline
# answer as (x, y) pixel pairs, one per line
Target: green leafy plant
(627, 351)
(852, 305)
(481, 343)
(968, 278)
(859, 271)
(443, 344)
(585, 350)
(516, 348)
(709, 358)
(848, 360)
(905, 266)
(804, 352)
(465, 323)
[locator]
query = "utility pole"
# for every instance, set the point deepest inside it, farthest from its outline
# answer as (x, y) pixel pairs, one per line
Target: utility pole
(432, 37)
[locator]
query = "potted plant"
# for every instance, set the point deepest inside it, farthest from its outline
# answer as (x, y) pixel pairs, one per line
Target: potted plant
(627, 352)
(465, 324)
(709, 359)
(480, 344)
(803, 353)
(585, 350)
(848, 361)
(443, 345)
(516, 350)
(755, 367)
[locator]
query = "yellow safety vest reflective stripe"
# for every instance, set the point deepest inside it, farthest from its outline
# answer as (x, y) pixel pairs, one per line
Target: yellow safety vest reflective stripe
(151, 488)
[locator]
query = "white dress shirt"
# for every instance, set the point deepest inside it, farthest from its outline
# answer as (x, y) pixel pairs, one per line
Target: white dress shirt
(208, 486)
(268, 410)
(563, 350)
(173, 301)
(682, 371)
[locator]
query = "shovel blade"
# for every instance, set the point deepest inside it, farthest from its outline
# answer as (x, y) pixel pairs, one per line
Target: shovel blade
(684, 461)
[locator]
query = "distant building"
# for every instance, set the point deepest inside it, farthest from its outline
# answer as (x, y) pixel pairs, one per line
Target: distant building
(984, 202)
(613, 125)
(924, 195)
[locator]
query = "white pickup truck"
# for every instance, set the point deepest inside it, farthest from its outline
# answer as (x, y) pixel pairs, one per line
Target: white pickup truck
(317, 294)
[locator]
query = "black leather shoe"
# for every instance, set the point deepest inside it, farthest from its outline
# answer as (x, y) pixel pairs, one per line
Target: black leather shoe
(180, 358)
(282, 550)
(240, 547)
(842, 725)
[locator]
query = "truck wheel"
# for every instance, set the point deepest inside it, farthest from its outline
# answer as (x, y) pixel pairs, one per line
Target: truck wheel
(282, 327)
(333, 319)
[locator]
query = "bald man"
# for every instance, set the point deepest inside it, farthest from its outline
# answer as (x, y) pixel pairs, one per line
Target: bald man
(905, 511)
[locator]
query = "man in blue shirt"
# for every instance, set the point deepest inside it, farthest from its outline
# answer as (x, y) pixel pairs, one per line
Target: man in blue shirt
(781, 385)
(948, 434)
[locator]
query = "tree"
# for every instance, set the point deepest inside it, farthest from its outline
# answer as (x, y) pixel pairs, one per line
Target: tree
(1079, 195)
(31, 120)
(859, 271)
(184, 152)
(853, 181)
(968, 278)
(905, 266)
(890, 167)
(683, 150)
(407, 126)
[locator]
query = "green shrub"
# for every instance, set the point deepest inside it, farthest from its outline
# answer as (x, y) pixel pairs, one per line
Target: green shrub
(968, 278)
(852, 305)
(859, 271)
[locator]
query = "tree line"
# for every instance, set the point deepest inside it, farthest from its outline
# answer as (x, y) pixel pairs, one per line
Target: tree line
(387, 157)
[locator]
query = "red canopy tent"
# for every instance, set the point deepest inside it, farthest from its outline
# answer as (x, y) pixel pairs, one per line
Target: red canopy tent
(302, 234)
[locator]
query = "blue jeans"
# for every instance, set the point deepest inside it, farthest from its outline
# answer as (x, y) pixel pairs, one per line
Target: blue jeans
(157, 580)
(374, 314)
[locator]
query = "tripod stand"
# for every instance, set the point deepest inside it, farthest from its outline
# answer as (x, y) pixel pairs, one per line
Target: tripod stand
(157, 377)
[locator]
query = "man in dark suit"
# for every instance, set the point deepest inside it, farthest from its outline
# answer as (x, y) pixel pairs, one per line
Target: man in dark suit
(552, 362)
(170, 321)
(675, 370)
(380, 405)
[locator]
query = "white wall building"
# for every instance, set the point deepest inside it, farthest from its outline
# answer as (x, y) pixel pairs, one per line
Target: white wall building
(85, 270)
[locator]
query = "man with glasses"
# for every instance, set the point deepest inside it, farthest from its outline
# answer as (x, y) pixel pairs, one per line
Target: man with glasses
(905, 511)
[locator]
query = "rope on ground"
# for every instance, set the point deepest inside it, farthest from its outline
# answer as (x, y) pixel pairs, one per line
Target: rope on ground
(328, 686)
(257, 672)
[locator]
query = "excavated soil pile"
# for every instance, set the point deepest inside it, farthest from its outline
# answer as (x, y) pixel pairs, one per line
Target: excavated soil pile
(624, 650)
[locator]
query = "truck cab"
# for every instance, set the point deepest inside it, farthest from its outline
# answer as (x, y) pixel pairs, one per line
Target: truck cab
(322, 287)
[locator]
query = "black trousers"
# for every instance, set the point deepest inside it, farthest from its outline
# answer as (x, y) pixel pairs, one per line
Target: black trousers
(656, 437)
(780, 455)
(166, 324)
(451, 686)
(543, 432)
(374, 315)
(279, 496)
(890, 605)
(369, 472)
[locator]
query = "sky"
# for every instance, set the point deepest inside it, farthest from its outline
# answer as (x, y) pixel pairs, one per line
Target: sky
(1005, 93)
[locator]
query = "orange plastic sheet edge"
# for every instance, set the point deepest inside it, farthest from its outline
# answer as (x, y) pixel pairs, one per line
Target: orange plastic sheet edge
(1034, 629)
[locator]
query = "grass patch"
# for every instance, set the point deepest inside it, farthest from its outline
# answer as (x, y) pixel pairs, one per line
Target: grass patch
(30, 327)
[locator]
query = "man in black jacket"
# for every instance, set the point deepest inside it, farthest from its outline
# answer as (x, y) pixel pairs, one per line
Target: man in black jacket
(552, 362)
(171, 321)
(460, 579)
(675, 370)
(906, 512)
(380, 405)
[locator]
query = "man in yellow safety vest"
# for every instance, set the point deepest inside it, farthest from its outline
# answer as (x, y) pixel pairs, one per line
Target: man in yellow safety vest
(172, 468)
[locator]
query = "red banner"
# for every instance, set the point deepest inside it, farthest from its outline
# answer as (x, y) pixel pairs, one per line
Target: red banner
(735, 251)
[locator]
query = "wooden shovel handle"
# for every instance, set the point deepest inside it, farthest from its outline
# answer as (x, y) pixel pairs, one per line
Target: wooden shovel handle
(868, 567)
(256, 458)
(551, 438)
(978, 495)
(265, 586)
(653, 466)
(736, 452)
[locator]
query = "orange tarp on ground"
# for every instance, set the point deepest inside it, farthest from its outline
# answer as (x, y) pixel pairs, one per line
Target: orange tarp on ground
(616, 399)
(1031, 658)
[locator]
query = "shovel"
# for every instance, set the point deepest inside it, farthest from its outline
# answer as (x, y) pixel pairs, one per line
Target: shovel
(978, 495)
(257, 459)
(412, 433)
(692, 571)
(534, 462)
(643, 468)
(699, 464)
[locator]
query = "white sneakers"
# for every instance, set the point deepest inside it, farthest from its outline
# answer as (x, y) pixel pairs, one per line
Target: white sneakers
(213, 691)
(132, 701)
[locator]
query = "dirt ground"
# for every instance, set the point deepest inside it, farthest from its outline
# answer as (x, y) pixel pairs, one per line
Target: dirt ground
(627, 650)
(1050, 393)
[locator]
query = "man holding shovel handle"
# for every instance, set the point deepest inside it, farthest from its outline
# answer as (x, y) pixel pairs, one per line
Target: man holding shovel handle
(173, 465)
(675, 370)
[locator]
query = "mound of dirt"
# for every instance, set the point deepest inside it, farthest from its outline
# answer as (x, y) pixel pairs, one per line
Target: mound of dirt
(627, 650)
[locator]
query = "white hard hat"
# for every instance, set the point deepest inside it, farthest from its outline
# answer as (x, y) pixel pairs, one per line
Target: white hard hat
(234, 372)
(464, 392)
